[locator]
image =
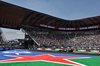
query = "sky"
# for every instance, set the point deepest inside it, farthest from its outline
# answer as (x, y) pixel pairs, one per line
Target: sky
(65, 9)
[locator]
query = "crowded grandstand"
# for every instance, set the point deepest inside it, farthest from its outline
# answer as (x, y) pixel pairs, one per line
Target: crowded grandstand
(62, 39)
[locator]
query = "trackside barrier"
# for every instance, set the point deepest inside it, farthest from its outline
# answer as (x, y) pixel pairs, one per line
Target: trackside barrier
(82, 50)
(74, 49)
(91, 51)
(98, 50)
(1, 49)
(95, 50)
(57, 49)
(7, 48)
(49, 49)
(87, 50)
(40, 48)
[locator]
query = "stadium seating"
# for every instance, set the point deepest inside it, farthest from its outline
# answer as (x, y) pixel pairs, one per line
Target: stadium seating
(62, 39)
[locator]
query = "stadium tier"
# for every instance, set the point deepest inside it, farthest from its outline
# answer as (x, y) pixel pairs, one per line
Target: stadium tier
(62, 39)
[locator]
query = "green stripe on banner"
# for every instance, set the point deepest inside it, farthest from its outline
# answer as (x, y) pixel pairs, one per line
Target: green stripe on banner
(81, 51)
(85, 52)
(94, 61)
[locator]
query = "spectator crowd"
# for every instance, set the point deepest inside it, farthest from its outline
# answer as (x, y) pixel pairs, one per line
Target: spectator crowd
(62, 39)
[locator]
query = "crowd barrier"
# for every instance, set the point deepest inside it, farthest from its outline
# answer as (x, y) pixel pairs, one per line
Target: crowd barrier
(58, 49)
(54, 49)
(49, 49)
(87, 50)
(6, 48)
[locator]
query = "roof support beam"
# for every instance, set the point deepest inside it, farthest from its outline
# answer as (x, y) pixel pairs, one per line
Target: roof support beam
(96, 20)
(27, 17)
(83, 23)
(33, 18)
(91, 21)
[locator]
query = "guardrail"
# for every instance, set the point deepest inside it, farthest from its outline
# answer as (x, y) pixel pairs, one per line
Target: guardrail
(6, 48)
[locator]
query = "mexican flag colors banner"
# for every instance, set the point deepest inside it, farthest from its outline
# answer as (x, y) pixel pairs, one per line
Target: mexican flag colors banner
(26, 58)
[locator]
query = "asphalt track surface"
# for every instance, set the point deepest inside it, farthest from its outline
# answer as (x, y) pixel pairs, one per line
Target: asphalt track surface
(70, 53)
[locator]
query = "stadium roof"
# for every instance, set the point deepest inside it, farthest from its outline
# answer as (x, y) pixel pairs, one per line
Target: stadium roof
(12, 16)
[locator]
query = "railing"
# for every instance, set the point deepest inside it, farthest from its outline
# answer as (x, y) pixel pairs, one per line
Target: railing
(31, 37)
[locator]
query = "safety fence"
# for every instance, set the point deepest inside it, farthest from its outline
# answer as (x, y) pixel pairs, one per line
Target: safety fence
(86, 51)
(6, 48)
(74, 50)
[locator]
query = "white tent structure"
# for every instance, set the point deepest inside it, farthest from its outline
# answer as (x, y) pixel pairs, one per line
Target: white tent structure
(10, 34)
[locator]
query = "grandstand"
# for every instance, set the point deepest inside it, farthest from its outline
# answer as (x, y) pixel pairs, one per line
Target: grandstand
(1, 37)
(62, 39)
(45, 31)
